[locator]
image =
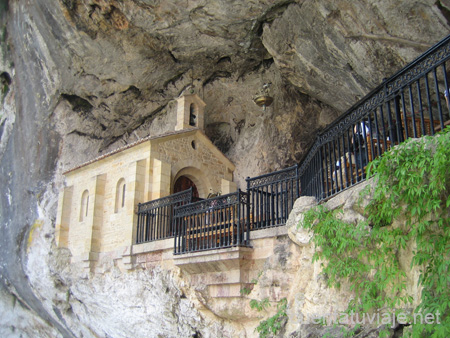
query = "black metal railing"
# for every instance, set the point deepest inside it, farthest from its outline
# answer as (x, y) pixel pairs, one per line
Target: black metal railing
(155, 218)
(272, 197)
(214, 223)
(412, 103)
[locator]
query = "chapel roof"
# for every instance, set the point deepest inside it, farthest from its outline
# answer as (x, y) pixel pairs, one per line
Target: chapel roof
(131, 145)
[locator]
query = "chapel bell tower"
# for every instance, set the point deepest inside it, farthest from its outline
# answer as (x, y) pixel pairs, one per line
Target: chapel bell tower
(190, 112)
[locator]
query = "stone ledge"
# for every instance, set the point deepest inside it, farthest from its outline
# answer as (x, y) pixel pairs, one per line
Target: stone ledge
(85, 257)
(163, 244)
(213, 260)
(269, 232)
(167, 244)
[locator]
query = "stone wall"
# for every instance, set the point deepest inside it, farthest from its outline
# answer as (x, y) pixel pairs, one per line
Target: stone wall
(310, 297)
(199, 153)
(105, 226)
(91, 218)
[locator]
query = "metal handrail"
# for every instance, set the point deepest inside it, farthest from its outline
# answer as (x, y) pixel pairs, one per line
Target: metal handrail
(155, 218)
(406, 104)
(218, 222)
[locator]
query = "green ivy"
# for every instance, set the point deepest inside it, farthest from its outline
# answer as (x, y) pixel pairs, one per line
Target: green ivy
(413, 182)
(260, 305)
(245, 291)
(273, 324)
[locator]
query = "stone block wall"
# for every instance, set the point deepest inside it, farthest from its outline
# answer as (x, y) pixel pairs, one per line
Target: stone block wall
(183, 112)
(197, 151)
(107, 225)
(118, 182)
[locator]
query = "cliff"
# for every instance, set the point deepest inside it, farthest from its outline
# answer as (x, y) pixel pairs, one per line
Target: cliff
(84, 77)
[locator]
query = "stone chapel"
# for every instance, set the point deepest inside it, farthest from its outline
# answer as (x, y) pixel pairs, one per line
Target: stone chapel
(97, 206)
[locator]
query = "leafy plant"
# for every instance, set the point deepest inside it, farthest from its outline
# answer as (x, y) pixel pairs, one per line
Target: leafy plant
(273, 324)
(413, 182)
(260, 305)
(245, 291)
(254, 281)
(351, 253)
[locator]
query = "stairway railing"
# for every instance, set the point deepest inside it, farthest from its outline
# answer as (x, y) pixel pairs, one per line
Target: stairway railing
(411, 103)
(272, 197)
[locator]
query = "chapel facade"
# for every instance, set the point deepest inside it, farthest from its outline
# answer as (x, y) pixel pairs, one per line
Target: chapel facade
(97, 209)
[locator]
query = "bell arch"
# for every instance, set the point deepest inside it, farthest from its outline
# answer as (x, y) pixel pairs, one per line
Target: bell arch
(193, 121)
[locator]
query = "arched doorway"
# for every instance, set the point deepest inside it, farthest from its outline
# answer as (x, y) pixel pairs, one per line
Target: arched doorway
(184, 183)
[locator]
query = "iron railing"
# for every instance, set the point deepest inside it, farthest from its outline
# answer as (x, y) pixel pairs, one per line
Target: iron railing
(272, 197)
(155, 218)
(214, 223)
(412, 103)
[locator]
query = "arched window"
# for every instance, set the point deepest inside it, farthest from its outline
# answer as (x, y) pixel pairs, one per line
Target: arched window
(120, 194)
(192, 115)
(84, 206)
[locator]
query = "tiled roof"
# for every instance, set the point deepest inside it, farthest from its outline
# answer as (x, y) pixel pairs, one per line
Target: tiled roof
(118, 150)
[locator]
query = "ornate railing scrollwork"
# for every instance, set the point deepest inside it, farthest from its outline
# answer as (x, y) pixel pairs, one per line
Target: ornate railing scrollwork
(392, 101)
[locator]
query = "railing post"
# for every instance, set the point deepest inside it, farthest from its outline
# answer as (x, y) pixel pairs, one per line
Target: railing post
(388, 110)
(138, 230)
(249, 210)
(297, 178)
(238, 235)
(446, 91)
(176, 234)
(321, 193)
(247, 239)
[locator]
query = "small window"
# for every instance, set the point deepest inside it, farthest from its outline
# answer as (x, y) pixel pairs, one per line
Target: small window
(84, 206)
(192, 115)
(123, 194)
(120, 194)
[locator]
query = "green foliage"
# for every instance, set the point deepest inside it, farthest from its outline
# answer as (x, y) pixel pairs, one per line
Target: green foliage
(273, 324)
(260, 305)
(255, 280)
(245, 291)
(351, 253)
(413, 182)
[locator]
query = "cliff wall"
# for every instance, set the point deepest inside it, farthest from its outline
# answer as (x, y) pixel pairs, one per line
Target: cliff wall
(83, 77)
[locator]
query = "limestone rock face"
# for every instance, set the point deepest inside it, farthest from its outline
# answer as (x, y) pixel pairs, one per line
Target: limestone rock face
(311, 298)
(83, 77)
(331, 49)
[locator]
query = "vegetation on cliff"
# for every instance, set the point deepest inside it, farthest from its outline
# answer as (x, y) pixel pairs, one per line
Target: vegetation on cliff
(409, 208)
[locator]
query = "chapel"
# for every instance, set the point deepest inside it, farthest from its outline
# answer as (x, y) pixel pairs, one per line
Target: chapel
(97, 210)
